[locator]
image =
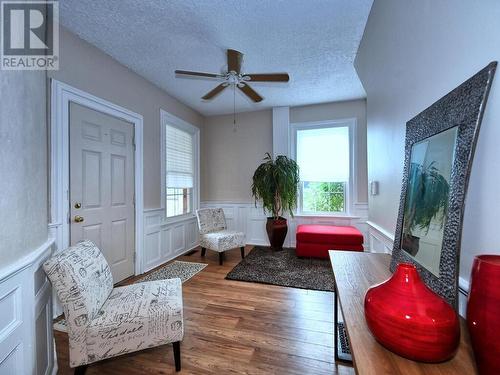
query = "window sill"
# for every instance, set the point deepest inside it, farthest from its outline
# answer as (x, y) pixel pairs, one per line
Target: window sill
(177, 219)
(327, 216)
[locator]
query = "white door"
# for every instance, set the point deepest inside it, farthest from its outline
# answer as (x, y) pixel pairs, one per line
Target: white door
(102, 186)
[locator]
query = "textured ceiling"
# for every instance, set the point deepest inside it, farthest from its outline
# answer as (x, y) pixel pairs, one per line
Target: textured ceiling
(315, 41)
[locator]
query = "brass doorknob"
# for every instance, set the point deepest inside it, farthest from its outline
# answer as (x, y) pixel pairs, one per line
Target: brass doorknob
(78, 205)
(78, 219)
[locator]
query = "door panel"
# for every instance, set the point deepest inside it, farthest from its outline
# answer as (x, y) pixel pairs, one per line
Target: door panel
(91, 179)
(92, 233)
(118, 180)
(102, 181)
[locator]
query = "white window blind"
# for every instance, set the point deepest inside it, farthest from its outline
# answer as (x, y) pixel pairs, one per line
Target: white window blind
(323, 154)
(180, 158)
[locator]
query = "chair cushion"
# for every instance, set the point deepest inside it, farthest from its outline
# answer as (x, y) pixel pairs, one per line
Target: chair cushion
(329, 234)
(222, 240)
(82, 279)
(136, 317)
(211, 220)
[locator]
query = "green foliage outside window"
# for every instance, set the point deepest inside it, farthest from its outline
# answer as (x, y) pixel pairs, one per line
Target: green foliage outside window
(323, 196)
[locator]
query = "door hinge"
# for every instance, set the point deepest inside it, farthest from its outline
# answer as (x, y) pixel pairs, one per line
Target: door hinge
(133, 141)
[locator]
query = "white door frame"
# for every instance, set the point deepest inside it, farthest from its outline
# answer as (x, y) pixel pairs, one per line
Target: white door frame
(61, 96)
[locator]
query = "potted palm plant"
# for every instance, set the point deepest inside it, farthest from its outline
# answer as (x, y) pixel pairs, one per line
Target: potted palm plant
(275, 183)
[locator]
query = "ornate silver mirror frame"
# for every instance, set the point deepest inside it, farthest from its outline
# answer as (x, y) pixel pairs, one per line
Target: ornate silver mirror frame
(462, 108)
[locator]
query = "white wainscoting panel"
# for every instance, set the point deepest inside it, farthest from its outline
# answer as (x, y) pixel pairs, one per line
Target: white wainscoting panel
(26, 340)
(251, 220)
(463, 295)
(164, 239)
(380, 240)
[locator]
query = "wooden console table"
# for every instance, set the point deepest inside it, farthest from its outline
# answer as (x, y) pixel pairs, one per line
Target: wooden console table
(354, 273)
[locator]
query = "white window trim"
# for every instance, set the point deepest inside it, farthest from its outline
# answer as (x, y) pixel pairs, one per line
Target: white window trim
(351, 123)
(169, 119)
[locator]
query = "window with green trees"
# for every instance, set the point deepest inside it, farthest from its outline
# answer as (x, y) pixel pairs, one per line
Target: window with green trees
(323, 157)
(323, 196)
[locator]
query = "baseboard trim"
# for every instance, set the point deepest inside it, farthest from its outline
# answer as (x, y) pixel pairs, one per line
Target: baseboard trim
(175, 255)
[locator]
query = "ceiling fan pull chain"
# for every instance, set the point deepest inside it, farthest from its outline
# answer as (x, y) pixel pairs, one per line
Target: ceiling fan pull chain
(234, 107)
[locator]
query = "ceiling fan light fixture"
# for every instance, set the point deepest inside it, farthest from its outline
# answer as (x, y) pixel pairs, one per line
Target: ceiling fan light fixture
(234, 77)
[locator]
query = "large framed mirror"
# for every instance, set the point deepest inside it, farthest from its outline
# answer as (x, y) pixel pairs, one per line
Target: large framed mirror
(439, 148)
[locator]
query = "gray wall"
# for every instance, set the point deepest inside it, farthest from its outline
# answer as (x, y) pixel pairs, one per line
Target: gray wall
(229, 158)
(412, 53)
(337, 111)
(89, 69)
(23, 164)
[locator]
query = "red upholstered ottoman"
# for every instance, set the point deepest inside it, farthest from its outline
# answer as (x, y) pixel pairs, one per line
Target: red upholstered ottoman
(315, 240)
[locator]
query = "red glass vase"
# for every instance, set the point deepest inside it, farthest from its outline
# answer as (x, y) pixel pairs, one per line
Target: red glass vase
(483, 313)
(410, 319)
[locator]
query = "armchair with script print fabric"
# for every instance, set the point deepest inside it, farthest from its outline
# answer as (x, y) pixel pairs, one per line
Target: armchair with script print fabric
(214, 234)
(105, 322)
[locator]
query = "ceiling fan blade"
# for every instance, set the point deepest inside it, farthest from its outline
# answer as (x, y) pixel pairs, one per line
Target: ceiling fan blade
(215, 91)
(234, 60)
(198, 74)
(269, 77)
(251, 93)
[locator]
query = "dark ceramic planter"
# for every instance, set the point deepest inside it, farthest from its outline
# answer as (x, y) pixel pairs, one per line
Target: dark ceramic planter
(276, 231)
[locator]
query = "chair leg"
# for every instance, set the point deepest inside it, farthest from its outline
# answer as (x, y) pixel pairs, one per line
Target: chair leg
(221, 258)
(242, 249)
(177, 355)
(203, 251)
(80, 370)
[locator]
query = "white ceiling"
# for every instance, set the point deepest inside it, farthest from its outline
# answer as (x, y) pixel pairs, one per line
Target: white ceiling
(315, 41)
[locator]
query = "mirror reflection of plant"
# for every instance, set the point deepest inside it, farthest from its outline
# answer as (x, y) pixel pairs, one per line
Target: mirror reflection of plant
(427, 197)
(275, 183)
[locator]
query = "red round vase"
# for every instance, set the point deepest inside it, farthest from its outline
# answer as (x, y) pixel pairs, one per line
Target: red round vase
(410, 319)
(483, 313)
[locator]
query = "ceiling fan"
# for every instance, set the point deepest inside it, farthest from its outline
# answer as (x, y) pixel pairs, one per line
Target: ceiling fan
(233, 76)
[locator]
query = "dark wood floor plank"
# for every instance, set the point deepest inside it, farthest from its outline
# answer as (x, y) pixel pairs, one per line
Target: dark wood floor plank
(234, 327)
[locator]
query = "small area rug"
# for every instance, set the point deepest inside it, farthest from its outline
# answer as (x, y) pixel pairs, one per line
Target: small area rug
(182, 270)
(283, 268)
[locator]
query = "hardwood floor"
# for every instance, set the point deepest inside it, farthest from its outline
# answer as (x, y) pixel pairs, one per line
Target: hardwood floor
(234, 327)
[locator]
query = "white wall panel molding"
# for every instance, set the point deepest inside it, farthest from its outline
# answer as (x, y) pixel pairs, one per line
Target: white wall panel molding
(380, 240)
(26, 341)
(166, 239)
(463, 295)
(245, 217)
(281, 131)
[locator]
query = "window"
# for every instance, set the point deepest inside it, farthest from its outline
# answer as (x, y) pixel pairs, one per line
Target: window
(179, 171)
(323, 156)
